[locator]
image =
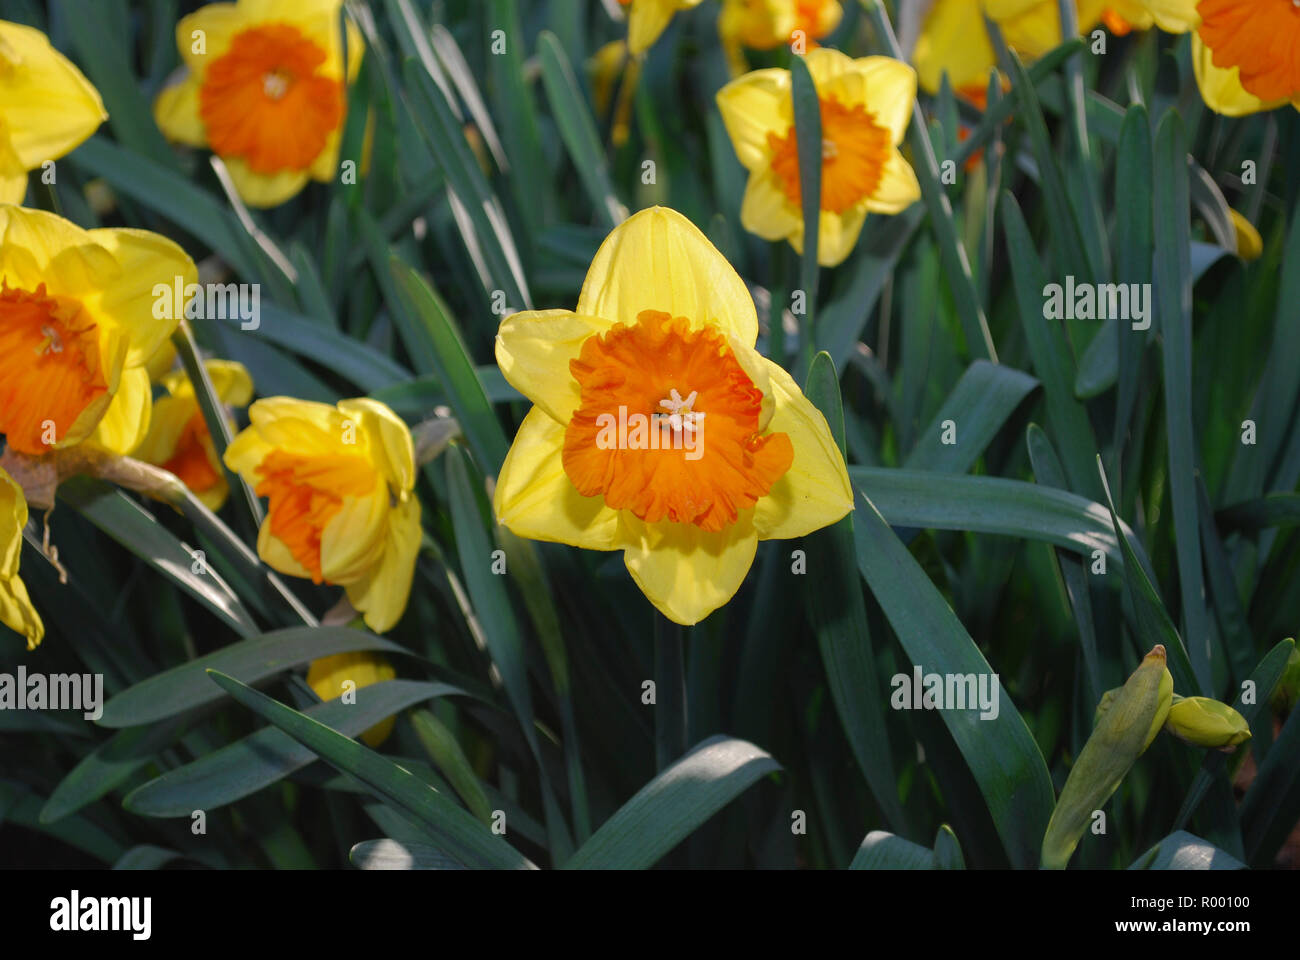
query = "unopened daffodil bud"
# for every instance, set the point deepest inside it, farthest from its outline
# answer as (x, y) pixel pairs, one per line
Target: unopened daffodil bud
(1207, 723)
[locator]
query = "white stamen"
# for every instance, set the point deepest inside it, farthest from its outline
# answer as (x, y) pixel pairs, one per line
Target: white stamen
(680, 416)
(275, 85)
(53, 343)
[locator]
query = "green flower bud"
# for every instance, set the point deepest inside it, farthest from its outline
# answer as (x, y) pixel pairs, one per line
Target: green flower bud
(1203, 722)
(1287, 692)
(1128, 720)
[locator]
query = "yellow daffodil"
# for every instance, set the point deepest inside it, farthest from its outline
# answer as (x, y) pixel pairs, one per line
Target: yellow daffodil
(263, 88)
(768, 24)
(16, 610)
(1203, 722)
(646, 19)
(954, 38)
(1250, 245)
(47, 108)
(178, 439)
(865, 108)
(657, 428)
(342, 510)
(78, 323)
(329, 675)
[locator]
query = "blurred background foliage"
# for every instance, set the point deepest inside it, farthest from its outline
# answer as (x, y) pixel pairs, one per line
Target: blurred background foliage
(487, 182)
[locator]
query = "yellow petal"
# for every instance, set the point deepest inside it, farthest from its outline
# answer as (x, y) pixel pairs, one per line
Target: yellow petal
(13, 517)
(826, 64)
(885, 86)
(753, 106)
(383, 593)
(536, 499)
(276, 555)
(659, 260)
(898, 188)
(1174, 16)
(766, 211)
(836, 237)
(262, 189)
(38, 247)
(1221, 89)
(815, 491)
(1250, 245)
(297, 426)
(328, 676)
(176, 110)
(125, 423)
(204, 36)
(387, 439)
(13, 188)
(18, 614)
(954, 40)
(684, 571)
(646, 19)
(46, 104)
(167, 422)
(147, 260)
(533, 350)
(353, 541)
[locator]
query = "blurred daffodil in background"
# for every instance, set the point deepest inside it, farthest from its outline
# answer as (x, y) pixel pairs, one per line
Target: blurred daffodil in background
(178, 439)
(664, 328)
(47, 107)
(78, 324)
(768, 24)
(865, 108)
(329, 678)
(16, 610)
(263, 87)
(340, 480)
(647, 19)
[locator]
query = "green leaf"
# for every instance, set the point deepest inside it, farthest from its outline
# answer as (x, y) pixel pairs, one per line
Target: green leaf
(185, 687)
(110, 765)
(451, 362)
(884, 851)
(999, 750)
(484, 229)
(456, 833)
(1010, 508)
(839, 618)
(1271, 807)
(670, 807)
(146, 857)
(1274, 510)
(172, 195)
(1174, 300)
(808, 142)
(956, 264)
(979, 405)
(389, 854)
(253, 763)
(1135, 245)
(139, 532)
(1067, 419)
(1153, 623)
(1182, 851)
(578, 129)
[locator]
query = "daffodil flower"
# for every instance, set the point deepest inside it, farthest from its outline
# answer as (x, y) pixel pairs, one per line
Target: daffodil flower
(954, 38)
(663, 328)
(263, 87)
(768, 24)
(329, 675)
(646, 19)
(47, 108)
(342, 510)
(178, 439)
(78, 323)
(16, 610)
(865, 107)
